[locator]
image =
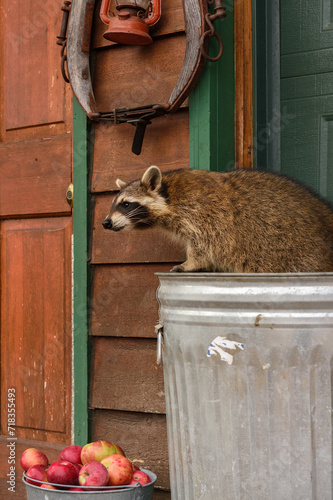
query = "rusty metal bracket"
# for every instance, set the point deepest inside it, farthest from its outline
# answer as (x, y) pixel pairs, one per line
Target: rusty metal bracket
(62, 38)
(199, 29)
(63, 63)
(66, 8)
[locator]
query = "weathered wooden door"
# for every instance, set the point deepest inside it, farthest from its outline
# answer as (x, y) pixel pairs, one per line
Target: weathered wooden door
(36, 229)
(307, 93)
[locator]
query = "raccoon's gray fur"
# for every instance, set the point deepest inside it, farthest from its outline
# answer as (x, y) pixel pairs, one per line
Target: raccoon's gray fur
(239, 221)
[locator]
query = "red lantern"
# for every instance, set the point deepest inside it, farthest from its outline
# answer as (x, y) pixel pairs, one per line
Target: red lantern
(131, 24)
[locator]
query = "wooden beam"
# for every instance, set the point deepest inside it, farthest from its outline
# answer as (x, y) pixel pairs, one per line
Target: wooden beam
(244, 84)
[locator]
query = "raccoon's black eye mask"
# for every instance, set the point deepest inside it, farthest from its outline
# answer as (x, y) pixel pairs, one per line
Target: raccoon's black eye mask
(133, 210)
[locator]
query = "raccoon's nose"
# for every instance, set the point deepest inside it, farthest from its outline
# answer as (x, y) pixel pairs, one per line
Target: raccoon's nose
(107, 224)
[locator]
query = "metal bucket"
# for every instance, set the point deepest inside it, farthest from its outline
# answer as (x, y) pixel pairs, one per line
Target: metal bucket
(112, 493)
(254, 420)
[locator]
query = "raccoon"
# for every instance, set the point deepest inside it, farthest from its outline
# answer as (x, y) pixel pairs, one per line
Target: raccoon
(242, 221)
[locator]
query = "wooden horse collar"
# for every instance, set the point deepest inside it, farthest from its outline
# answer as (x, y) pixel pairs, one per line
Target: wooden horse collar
(75, 54)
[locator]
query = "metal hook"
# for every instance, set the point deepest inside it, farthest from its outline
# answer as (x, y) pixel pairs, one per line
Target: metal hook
(220, 13)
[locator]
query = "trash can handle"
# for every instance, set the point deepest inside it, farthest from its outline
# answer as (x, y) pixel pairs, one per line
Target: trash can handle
(159, 333)
(138, 492)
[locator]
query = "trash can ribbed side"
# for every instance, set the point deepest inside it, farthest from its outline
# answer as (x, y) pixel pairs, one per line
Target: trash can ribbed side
(253, 420)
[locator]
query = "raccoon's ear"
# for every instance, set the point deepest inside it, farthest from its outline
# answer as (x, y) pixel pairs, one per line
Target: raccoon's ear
(121, 184)
(152, 178)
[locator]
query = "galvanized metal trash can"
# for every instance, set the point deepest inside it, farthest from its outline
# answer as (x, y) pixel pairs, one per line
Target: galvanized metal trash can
(254, 420)
(138, 492)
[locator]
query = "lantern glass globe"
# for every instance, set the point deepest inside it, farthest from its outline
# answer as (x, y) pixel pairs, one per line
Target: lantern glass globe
(142, 4)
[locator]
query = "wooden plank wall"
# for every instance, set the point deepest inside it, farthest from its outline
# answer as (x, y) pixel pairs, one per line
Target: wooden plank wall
(126, 386)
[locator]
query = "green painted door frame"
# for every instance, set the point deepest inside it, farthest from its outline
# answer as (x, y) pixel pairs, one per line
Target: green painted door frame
(212, 104)
(80, 275)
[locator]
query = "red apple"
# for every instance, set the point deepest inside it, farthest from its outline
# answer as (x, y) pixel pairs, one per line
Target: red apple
(63, 472)
(76, 489)
(119, 468)
(71, 453)
(135, 467)
(77, 466)
(36, 472)
(140, 477)
(48, 486)
(93, 474)
(32, 456)
(96, 451)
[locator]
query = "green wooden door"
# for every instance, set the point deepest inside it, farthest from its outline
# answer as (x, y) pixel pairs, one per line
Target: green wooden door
(306, 92)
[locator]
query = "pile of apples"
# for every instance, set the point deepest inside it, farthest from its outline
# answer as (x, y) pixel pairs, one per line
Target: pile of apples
(96, 464)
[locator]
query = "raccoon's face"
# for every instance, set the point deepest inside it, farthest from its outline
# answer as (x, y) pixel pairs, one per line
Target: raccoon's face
(127, 213)
(138, 204)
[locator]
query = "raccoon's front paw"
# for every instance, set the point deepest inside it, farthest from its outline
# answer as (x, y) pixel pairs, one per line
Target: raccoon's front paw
(177, 269)
(183, 268)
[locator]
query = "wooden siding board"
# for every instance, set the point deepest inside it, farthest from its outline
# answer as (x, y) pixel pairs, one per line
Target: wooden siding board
(125, 375)
(162, 495)
(142, 436)
(130, 76)
(128, 247)
(127, 388)
(124, 300)
(165, 144)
